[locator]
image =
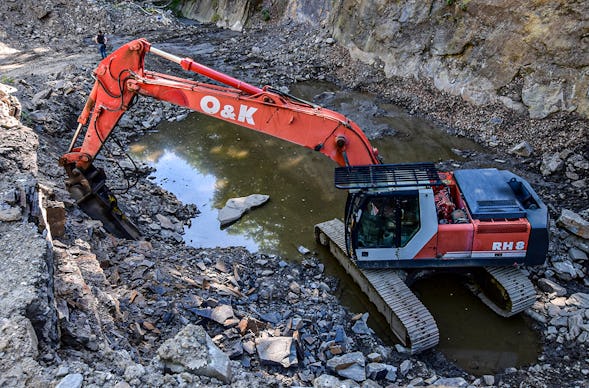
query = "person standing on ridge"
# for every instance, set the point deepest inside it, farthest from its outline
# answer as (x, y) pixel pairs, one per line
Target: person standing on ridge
(101, 40)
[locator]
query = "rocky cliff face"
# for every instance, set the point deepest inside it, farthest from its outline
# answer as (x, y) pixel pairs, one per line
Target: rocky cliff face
(532, 57)
(28, 324)
(225, 13)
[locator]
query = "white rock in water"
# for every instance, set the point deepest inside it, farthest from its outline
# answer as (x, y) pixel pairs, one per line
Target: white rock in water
(236, 207)
(302, 250)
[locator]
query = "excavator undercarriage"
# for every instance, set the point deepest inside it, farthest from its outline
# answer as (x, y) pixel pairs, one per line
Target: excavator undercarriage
(505, 290)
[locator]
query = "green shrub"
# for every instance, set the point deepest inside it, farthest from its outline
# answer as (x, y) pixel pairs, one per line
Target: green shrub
(265, 14)
(174, 6)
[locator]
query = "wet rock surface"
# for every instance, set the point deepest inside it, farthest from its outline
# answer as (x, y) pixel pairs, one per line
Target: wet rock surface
(94, 310)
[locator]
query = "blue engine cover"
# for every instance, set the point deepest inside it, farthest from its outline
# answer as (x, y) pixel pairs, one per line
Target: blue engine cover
(491, 193)
(488, 195)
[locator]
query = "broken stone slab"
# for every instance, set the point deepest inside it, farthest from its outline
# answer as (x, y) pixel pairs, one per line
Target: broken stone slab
(564, 270)
(522, 149)
(165, 222)
(361, 326)
(249, 346)
(575, 254)
(10, 213)
(551, 287)
(450, 382)
(559, 321)
(220, 314)
(328, 381)
(340, 336)
(392, 373)
(574, 223)
(577, 242)
(350, 366)
(234, 349)
(553, 310)
(374, 357)
(551, 163)
(578, 299)
(575, 325)
(277, 351)
(235, 207)
(193, 351)
(405, 367)
(376, 371)
(73, 380)
(38, 98)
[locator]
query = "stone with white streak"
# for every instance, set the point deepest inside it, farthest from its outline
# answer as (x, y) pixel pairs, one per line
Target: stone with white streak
(277, 350)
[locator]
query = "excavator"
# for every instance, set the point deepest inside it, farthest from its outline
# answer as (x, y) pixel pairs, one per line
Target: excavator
(401, 220)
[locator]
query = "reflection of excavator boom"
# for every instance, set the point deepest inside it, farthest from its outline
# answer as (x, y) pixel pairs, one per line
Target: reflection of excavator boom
(397, 215)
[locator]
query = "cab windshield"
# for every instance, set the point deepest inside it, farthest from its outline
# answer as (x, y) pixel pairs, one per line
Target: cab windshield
(388, 221)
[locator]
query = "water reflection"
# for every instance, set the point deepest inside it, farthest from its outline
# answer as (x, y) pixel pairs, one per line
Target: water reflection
(190, 186)
(206, 162)
(470, 335)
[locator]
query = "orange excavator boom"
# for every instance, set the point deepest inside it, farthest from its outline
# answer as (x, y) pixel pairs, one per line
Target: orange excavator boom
(121, 77)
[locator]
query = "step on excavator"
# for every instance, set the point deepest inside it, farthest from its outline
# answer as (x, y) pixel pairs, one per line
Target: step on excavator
(401, 220)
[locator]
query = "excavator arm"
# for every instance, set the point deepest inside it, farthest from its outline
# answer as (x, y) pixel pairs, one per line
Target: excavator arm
(121, 77)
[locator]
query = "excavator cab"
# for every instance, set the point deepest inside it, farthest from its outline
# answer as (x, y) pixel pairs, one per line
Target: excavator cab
(411, 215)
(390, 212)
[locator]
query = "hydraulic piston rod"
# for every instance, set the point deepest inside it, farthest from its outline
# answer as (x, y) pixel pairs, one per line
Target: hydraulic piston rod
(191, 65)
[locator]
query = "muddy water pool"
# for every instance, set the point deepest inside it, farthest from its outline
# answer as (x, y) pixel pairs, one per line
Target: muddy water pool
(206, 161)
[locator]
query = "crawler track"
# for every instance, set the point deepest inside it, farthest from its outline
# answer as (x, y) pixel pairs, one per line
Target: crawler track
(506, 290)
(408, 318)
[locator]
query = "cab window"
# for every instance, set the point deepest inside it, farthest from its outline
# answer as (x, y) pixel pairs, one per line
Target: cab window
(388, 221)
